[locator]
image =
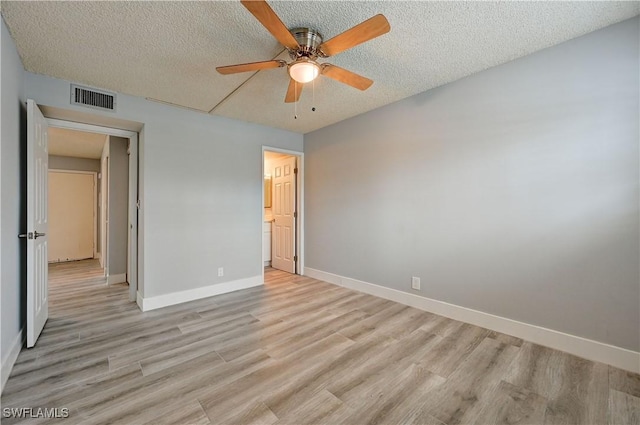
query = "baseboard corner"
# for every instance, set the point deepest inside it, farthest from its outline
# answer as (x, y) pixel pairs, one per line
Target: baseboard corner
(179, 297)
(112, 279)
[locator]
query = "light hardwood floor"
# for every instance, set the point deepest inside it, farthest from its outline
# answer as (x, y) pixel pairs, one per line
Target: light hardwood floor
(74, 273)
(299, 351)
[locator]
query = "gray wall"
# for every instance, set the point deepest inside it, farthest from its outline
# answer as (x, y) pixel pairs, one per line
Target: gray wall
(118, 208)
(57, 162)
(201, 187)
(12, 204)
(513, 191)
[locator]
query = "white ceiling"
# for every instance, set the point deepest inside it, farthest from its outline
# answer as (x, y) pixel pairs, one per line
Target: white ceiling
(78, 144)
(169, 50)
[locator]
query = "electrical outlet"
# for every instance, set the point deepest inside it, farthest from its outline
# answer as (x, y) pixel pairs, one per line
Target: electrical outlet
(220, 271)
(415, 283)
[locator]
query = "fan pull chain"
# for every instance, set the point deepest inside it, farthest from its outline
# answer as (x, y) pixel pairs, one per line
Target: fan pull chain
(313, 95)
(295, 103)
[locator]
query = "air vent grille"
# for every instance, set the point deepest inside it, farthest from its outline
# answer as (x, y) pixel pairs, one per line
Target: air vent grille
(93, 98)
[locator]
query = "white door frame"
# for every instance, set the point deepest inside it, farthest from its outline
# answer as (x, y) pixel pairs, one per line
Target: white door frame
(299, 207)
(104, 213)
(133, 272)
(95, 202)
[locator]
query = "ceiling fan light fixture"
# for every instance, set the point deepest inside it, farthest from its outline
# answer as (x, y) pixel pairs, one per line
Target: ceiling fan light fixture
(304, 71)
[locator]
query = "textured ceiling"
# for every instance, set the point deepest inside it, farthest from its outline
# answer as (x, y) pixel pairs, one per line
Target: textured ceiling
(78, 144)
(168, 51)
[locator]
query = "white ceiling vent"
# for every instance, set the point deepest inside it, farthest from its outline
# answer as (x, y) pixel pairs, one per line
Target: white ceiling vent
(93, 98)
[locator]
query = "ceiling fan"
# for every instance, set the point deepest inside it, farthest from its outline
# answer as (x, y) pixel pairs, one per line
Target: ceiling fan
(305, 46)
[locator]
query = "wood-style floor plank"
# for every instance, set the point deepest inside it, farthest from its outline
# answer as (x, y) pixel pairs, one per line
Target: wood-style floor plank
(574, 387)
(625, 408)
(626, 382)
(295, 351)
(513, 405)
(471, 386)
(390, 396)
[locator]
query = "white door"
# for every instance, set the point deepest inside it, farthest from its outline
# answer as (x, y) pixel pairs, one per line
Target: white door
(37, 271)
(283, 207)
(72, 216)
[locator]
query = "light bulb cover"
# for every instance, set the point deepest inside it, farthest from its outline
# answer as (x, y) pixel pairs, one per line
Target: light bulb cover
(304, 71)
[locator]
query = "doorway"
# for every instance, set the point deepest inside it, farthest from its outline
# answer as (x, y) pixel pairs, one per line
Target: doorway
(74, 250)
(282, 210)
(40, 152)
(117, 195)
(88, 220)
(73, 218)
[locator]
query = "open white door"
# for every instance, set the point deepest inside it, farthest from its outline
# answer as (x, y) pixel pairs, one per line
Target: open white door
(283, 206)
(37, 223)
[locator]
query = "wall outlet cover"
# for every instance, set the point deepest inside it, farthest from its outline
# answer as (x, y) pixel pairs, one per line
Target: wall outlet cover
(415, 283)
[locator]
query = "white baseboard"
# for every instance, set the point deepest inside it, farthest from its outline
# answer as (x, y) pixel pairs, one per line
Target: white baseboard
(116, 278)
(586, 348)
(159, 301)
(10, 359)
(139, 300)
(267, 263)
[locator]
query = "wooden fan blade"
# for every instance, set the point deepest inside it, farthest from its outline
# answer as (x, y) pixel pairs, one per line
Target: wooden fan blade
(365, 31)
(347, 77)
(267, 17)
(253, 66)
(293, 92)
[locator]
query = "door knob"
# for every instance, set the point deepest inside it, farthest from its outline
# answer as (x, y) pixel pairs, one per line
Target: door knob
(37, 234)
(26, 235)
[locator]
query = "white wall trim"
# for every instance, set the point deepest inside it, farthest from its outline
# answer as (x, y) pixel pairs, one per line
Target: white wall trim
(73, 125)
(592, 350)
(139, 300)
(159, 301)
(10, 359)
(116, 278)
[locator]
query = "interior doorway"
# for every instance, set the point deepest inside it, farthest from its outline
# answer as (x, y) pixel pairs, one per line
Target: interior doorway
(87, 203)
(115, 161)
(41, 156)
(282, 206)
(73, 201)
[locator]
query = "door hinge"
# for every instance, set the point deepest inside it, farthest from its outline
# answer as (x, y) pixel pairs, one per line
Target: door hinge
(295, 215)
(295, 258)
(295, 170)
(138, 204)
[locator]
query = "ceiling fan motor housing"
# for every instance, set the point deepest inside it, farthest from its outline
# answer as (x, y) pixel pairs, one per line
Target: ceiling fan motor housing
(309, 40)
